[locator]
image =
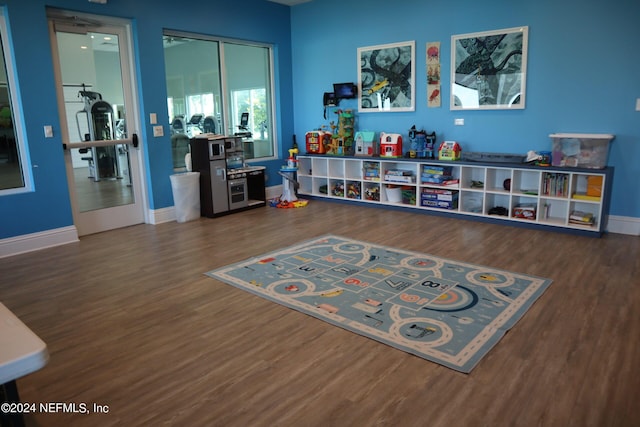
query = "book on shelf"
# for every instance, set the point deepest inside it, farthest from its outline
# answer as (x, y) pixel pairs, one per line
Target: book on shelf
(580, 217)
(398, 178)
(555, 184)
(435, 179)
(371, 171)
(398, 172)
(399, 175)
(581, 196)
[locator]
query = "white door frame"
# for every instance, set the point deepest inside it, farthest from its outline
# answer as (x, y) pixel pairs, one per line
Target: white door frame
(120, 216)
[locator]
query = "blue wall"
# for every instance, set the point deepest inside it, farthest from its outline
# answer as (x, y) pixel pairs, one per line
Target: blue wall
(582, 72)
(48, 207)
(582, 77)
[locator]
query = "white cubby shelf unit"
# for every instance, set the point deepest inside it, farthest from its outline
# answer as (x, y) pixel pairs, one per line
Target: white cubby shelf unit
(554, 198)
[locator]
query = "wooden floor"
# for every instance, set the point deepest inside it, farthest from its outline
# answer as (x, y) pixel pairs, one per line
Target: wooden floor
(132, 323)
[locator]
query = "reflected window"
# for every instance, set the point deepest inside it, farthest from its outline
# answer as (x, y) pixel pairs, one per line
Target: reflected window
(205, 97)
(12, 153)
(248, 75)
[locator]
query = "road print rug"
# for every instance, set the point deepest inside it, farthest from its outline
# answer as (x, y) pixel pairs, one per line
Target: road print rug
(445, 311)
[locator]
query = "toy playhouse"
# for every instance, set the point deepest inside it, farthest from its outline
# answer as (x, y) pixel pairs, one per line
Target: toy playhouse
(364, 143)
(390, 145)
(316, 140)
(449, 150)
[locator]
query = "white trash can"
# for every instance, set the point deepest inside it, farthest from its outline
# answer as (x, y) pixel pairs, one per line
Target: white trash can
(186, 195)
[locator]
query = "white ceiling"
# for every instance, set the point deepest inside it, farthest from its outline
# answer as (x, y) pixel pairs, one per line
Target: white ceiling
(290, 2)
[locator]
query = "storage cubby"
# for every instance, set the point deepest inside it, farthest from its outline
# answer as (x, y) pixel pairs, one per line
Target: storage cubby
(471, 202)
(336, 168)
(353, 190)
(318, 167)
(399, 172)
(523, 207)
(390, 193)
(525, 182)
(561, 198)
(371, 171)
(439, 176)
(497, 204)
(336, 187)
(553, 211)
(439, 198)
(587, 187)
(555, 184)
(584, 214)
(371, 191)
(473, 178)
(306, 184)
(320, 186)
(408, 195)
(305, 166)
(496, 179)
(353, 169)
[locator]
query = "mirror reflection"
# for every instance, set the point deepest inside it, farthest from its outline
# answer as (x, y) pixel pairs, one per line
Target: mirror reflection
(10, 165)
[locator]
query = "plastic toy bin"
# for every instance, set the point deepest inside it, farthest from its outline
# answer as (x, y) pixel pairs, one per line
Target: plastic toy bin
(580, 150)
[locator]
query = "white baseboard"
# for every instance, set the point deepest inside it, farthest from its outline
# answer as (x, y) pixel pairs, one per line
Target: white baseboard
(35, 241)
(623, 225)
(158, 216)
(273, 192)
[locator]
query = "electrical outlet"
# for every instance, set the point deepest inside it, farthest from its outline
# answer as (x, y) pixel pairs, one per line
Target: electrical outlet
(158, 131)
(458, 122)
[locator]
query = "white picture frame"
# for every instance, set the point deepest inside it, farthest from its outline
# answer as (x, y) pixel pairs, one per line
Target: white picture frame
(386, 77)
(489, 69)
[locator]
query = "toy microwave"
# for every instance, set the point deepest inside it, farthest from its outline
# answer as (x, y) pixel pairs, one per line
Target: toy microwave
(449, 150)
(390, 144)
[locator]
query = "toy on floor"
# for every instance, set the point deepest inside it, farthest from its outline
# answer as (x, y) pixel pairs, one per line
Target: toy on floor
(281, 204)
(288, 199)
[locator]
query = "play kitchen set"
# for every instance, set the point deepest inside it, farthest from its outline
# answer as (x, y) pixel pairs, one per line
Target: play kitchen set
(566, 188)
(226, 184)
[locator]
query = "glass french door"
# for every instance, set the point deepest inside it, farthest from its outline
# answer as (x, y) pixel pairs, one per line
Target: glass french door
(98, 116)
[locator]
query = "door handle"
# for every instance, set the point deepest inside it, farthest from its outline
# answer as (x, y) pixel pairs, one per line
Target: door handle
(134, 140)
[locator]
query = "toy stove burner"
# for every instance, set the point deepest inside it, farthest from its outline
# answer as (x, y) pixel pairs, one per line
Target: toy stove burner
(236, 175)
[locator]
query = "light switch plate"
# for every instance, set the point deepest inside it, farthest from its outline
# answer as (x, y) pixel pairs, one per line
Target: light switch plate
(153, 118)
(48, 131)
(458, 122)
(158, 131)
(638, 104)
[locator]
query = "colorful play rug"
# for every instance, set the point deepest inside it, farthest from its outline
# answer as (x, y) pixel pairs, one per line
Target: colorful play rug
(445, 311)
